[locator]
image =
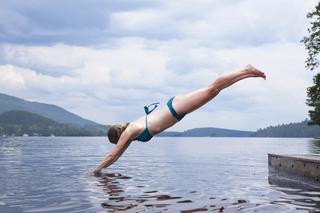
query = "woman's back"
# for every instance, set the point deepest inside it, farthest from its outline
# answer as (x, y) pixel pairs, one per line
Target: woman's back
(157, 121)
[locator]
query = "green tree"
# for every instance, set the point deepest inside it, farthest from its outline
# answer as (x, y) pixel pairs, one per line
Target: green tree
(314, 100)
(312, 45)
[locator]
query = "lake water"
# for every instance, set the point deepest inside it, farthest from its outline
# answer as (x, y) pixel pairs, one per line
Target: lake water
(40, 174)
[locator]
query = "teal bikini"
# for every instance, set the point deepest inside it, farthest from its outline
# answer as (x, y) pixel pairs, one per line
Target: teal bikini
(145, 135)
(173, 111)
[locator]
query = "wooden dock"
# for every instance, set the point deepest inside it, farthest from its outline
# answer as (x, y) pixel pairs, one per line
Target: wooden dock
(304, 169)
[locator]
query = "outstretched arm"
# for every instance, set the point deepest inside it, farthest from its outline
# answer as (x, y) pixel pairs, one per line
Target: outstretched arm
(122, 145)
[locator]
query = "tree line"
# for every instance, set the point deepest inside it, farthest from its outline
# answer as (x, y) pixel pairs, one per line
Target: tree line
(18, 123)
(312, 45)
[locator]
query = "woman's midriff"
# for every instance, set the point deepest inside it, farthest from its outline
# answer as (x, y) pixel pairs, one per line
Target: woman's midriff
(158, 120)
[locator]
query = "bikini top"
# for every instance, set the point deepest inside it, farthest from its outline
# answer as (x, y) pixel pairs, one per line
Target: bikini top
(145, 135)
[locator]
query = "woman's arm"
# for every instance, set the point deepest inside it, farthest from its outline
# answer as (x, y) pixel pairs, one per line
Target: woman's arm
(122, 145)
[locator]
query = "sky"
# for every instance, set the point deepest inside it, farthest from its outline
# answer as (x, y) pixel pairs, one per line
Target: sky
(105, 60)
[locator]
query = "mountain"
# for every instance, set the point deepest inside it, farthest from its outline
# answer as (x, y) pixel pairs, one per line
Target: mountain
(299, 129)
(24, 118)
(207, 132)
(23, 122)
(56, 113)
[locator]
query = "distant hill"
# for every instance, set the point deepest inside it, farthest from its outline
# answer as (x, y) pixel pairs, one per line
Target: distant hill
(207, 132)
(22, 122)
(299, 129)
(56, 113)
(24, 118)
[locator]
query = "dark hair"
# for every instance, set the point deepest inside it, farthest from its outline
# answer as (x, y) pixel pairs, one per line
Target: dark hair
(115, 132)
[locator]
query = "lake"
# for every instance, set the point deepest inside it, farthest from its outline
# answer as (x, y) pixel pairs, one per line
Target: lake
(44, 174)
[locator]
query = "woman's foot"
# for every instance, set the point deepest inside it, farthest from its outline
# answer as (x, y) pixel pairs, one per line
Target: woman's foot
(254, 71)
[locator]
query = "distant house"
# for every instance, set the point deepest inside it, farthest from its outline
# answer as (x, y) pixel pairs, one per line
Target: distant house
(25, 135)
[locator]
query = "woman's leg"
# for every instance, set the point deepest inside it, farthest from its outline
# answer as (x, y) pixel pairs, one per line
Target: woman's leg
(184, 104)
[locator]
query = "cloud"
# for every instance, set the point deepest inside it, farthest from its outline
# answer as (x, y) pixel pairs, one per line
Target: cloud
(105, 75)
(50, 22)
(10, 78)
(100, 22)
(125, 78)
(281, 98)
(106, 60)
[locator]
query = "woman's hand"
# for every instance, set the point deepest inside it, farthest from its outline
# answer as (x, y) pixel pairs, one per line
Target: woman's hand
(96, 173)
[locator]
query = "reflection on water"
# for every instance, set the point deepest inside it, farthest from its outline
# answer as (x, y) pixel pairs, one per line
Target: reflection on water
(165, 175)
(120, 200)
(314, 146)
(299, 194)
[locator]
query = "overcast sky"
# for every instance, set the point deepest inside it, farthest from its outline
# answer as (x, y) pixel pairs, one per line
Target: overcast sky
(105, 60)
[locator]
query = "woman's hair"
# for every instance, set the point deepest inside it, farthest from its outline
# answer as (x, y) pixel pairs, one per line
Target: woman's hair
(115, 132)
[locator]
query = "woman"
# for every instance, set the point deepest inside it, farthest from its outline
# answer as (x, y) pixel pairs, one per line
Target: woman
(144, 128)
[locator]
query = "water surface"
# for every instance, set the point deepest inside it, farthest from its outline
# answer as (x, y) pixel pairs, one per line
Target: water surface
(40, 174)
